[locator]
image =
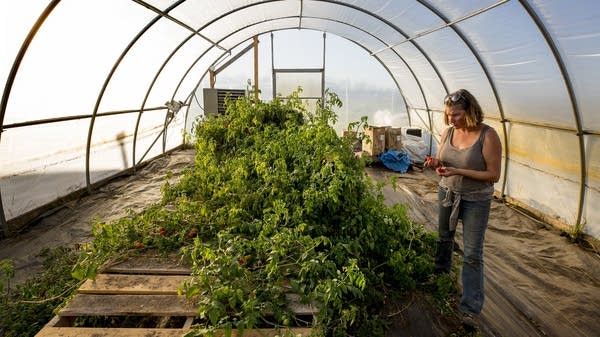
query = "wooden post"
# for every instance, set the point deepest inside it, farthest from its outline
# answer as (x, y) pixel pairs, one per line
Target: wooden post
(213, 78)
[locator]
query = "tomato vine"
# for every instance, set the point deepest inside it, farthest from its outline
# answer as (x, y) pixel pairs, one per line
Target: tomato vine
(277, 204)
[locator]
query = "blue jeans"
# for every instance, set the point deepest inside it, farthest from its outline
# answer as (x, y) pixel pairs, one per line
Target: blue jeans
(474, 215)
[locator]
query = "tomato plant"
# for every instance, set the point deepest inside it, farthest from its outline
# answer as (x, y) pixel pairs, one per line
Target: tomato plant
(277, 203)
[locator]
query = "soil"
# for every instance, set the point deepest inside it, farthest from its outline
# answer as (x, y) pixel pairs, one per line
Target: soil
(537, 282)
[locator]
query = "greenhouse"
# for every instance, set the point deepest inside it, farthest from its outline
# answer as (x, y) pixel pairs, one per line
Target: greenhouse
(94, 91)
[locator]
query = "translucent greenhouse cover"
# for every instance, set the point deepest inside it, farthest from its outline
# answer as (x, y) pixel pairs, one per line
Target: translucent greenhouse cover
(94, 88)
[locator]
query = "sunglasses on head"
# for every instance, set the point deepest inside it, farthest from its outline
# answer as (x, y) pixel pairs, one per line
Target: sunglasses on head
(454, 97)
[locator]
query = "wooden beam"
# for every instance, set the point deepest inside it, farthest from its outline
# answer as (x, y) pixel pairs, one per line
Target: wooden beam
(133, 284)
(234, 58)
(213, 78)
(150, 265)
(128, 305)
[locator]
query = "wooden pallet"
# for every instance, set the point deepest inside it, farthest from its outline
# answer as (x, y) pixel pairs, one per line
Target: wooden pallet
(145, 288)
(136, 332)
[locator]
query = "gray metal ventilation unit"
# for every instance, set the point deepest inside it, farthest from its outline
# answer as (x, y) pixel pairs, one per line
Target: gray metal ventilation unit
(214, 99)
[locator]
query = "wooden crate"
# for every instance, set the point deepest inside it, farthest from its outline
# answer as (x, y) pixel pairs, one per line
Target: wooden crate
(146, 288)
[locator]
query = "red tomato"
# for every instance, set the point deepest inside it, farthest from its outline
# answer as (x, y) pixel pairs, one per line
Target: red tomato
(192, 233)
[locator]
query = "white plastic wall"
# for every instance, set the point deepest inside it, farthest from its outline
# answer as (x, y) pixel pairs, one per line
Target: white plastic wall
(106, 70)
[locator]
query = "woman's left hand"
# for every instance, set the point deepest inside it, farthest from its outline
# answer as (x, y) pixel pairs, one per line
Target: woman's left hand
(446, 171)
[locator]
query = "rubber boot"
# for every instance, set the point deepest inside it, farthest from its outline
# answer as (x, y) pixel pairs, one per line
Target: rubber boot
(443, 256)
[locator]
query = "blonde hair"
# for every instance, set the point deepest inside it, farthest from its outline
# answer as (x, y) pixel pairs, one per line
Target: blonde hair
(468, 102)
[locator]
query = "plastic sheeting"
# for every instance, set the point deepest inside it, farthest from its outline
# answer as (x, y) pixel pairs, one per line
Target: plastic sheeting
(397, 161)
(86, 82)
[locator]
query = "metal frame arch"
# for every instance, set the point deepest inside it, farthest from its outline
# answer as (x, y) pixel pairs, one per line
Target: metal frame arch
(107, 80)
(383, 64)
(143, 106)
(416, 45)
(389, 72)
(271, 31)
(362, 10)
(236, 31)
(319, 18)
(191, 95)
(300, 15)
(165, 14)
(425, 55)
(351, 40)
(11, 79)
(487, 74)
(185, 40)
(19, 58)
(572, 98)
(325, 19)
(379, 18)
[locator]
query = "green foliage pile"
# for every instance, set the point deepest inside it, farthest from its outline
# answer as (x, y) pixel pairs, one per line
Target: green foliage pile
(278, 204)
(26, 308)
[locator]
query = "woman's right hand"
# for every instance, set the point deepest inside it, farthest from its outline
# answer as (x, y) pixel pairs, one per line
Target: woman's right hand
(431, 162)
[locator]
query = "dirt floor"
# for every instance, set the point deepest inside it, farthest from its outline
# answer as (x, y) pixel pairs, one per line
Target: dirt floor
(538, 283)
(71, 224)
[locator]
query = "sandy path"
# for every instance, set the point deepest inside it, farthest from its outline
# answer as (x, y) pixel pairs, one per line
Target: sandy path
(537, 282)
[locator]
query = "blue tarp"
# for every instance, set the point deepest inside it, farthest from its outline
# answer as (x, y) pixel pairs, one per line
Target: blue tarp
(398, 161)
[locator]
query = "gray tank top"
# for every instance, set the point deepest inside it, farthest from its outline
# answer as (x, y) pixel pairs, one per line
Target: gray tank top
(470, 158)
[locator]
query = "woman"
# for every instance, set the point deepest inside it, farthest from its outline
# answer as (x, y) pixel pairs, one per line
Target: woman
(468, 161)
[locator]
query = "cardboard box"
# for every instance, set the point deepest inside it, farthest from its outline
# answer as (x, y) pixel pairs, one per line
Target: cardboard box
(357, 144)
(393, 139)
(374, 143)
(349, 133)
